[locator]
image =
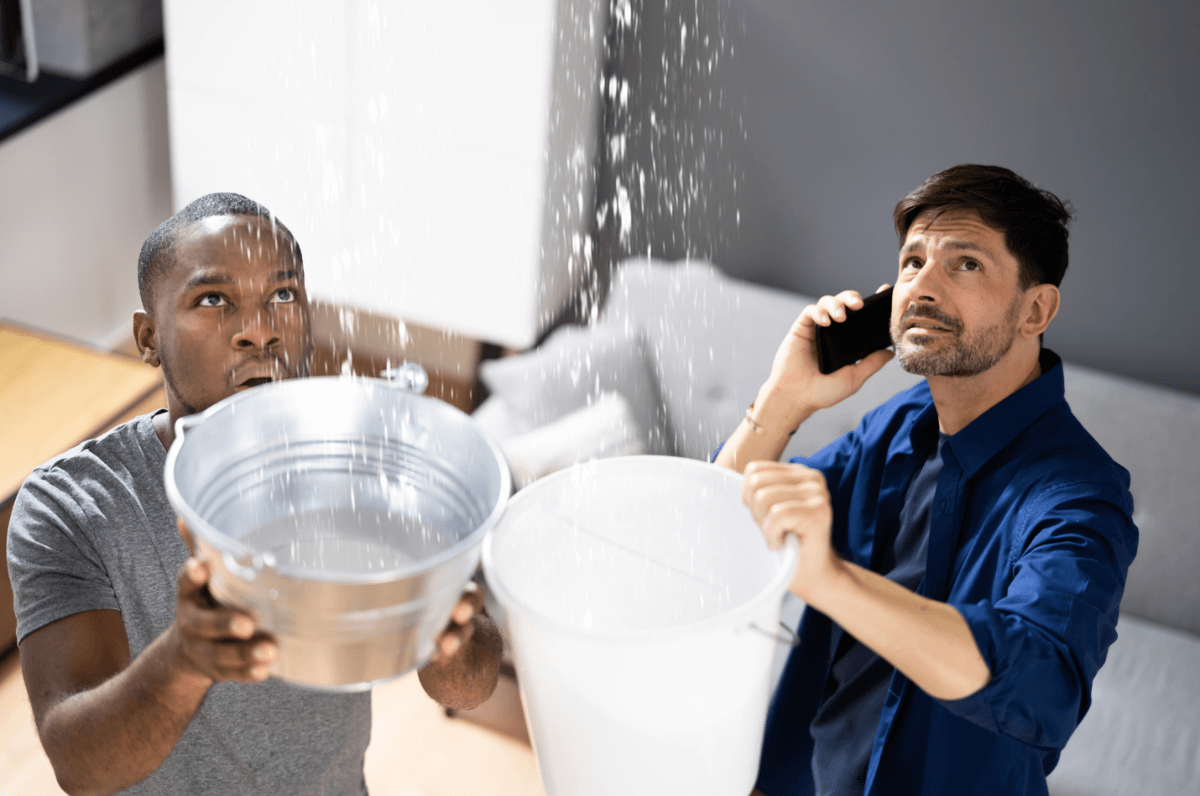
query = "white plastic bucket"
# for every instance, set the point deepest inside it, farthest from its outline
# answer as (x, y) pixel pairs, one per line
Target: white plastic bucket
(643, 613)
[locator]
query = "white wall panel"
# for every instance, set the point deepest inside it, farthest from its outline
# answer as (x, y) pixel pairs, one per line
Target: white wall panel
(405, 144)
(82, 190)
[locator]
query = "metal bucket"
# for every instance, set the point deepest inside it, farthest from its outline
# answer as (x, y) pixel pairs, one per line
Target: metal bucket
(347, 513)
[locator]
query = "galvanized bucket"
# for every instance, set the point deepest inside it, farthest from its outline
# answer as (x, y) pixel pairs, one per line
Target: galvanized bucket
(347, 513)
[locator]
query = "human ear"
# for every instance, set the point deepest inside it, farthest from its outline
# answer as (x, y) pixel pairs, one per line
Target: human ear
(1041, 305)
(145, 337)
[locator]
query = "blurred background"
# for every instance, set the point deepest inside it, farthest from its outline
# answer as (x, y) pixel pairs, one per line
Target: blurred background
(467, 176)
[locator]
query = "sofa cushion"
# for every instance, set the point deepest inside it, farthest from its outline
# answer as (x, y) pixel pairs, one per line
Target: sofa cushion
(1154, 433)
(604, 429)
(570, 370)
(1141, 735)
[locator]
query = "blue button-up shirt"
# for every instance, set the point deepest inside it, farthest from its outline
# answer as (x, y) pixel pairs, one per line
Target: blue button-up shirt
(1030, 538)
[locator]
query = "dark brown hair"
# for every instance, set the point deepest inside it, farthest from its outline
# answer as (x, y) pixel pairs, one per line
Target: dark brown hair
(1033, 220)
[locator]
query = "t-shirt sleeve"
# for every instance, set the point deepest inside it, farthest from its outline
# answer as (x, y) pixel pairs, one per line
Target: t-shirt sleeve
(1046, 637)
(55, 568)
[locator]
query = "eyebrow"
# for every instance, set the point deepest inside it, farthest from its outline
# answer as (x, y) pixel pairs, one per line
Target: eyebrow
(208, 279)
(205, 279)
(956, 245)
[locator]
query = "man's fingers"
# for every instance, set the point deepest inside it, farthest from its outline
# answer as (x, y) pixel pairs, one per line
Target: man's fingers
(851, 299)
(784, 498)
(219, 623)
(882, 287)
(793, 516)
(469, 604)
(199, 616)
(813, 315)
(197, 572)
(461, 626)
(768, 469)
(831, 309)
(766, 498)
(452, 639)
(767, 473)
(221, 643)
(775, 525)
(192, 582)
(247, 661)
(784, 518)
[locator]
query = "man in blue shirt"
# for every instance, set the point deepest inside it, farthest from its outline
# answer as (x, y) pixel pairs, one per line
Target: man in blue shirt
(964, 550)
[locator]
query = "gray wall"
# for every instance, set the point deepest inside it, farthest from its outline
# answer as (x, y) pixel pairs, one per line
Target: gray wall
(784, 131)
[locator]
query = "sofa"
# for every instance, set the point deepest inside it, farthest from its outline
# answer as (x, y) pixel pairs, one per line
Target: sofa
(678, 353)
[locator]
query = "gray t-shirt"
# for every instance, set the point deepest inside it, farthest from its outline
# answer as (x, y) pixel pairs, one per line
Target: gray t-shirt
(92, 529)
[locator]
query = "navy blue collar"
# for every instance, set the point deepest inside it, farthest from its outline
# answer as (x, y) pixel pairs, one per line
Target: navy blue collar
(988, 434)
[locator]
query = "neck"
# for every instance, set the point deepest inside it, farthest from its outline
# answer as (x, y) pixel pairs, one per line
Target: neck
(164, 424)
(961, 399)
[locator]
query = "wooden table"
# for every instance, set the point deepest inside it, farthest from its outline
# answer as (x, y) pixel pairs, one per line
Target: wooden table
(53, 395)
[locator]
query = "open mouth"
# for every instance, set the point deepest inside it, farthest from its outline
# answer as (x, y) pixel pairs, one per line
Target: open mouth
(928, 322)
(254, 382)
(926, 326)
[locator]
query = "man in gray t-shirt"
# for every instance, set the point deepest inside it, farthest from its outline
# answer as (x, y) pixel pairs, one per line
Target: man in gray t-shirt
(139, 683)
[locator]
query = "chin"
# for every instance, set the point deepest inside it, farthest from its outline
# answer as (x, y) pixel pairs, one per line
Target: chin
(956, 362)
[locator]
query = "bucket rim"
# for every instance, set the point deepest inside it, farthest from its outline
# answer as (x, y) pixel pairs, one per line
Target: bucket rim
(786, 559)
(229, 545)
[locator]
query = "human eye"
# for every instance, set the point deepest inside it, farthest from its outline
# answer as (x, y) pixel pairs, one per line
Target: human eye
(971, 265)
(212, 300)
(912, 263)
(284, 295)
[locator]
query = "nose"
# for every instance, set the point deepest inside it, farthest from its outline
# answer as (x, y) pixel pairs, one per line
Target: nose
(926, 285)
(257, 331)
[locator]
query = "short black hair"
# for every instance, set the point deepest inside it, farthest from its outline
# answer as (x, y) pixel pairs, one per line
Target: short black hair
(1033, 220)
(158, 251)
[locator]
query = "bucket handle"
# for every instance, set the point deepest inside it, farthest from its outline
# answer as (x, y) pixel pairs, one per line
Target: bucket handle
(408, 376)
(791, 639)
(244, 571)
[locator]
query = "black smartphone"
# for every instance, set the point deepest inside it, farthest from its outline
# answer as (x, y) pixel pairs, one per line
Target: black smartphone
(864, 330)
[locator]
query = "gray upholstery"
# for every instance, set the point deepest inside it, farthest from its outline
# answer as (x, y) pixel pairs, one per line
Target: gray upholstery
(1142, 735)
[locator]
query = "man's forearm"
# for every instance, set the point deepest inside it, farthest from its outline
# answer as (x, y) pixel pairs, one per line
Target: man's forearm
(926, 640)
(116, 734)
(775, 417)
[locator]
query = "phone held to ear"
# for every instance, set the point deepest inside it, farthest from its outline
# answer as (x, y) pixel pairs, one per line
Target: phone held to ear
(864, 331)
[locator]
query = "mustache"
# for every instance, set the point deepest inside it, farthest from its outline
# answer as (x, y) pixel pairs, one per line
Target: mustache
(931, 313)
(262, 358)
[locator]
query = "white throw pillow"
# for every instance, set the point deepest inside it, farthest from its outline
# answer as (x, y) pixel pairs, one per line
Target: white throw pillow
(604, 429)
(571, 369)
